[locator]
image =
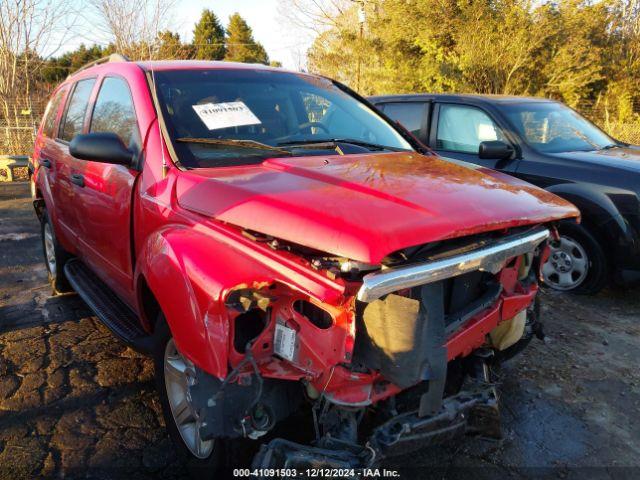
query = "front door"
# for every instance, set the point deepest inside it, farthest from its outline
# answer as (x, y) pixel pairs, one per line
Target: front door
(106, 194)
(458, 131)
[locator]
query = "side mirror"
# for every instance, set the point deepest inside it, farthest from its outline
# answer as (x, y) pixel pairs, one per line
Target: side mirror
(103, 147)
(495, 150)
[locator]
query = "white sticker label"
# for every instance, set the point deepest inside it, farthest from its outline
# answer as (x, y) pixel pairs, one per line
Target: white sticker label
(225, 115)
(284, 342)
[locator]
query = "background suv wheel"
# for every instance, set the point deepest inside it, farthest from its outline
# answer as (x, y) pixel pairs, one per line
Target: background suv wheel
(576, 262)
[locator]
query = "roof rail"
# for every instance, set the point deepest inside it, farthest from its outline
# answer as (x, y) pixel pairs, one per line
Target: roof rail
(114, 57)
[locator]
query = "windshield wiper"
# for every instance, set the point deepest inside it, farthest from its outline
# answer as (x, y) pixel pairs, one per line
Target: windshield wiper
(233, 143)
(610, 146)
(584, 137)
(331, 142)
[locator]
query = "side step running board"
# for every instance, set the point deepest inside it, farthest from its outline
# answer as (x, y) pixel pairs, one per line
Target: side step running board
(111, 311)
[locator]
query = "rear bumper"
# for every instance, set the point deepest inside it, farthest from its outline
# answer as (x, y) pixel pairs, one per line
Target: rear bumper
(466, 412)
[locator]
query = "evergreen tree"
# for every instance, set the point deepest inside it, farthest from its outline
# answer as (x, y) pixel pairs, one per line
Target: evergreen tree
(208, 37)
(170, 47)
(241, 46)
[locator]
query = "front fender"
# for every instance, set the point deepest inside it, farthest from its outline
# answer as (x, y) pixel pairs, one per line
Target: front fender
(593, 201)
(190, 273)
(607, 210)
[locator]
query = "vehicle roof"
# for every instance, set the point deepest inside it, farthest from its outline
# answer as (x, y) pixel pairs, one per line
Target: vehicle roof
(163, 65)
(202, 64)
(467, 97)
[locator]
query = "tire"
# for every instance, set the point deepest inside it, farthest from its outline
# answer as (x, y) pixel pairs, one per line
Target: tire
(582, 260)
(204, 464)
(55, 256)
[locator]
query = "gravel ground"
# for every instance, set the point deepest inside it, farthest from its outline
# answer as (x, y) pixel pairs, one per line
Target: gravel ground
(74, 402)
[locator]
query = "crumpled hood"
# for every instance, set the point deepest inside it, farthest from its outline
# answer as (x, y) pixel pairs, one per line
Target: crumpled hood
(364, 207)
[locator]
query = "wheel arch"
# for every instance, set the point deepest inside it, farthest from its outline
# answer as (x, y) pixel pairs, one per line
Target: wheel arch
(598, 212)
(186, 275)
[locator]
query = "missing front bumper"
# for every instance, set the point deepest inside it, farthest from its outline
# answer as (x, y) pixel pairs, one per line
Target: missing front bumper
(472, 411)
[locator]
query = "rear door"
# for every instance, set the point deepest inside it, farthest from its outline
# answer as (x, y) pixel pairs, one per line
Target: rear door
(46, 149)
(105, 194)
(64, 192)
(457, 131)
(414, 116)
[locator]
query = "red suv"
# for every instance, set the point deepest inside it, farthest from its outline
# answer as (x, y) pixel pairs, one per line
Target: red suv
(281, 248)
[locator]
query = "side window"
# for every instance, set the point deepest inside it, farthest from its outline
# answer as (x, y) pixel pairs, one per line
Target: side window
(462, 129)
(409, 114)
(114, 112)
(49, 122)
(76, 109)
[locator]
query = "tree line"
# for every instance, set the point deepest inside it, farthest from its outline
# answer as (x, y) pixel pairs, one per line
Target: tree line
(211, 41)
(583, 52)
(30, 30)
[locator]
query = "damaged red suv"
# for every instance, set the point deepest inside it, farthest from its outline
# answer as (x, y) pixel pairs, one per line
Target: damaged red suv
(284, 251)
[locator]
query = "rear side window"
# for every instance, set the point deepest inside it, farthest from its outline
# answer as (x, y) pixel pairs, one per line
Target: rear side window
(76, 109)
(409, 114)
(49, 122)
(114, 111)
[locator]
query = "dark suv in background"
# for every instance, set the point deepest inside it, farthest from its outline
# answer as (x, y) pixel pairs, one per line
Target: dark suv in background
(550, 145)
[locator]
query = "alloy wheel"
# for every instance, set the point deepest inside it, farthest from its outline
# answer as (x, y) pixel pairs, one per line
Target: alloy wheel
(50, 249)
(567, 266)
(179, 375)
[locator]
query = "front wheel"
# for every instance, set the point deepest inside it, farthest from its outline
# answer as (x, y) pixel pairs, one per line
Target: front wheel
(576, 262)
(55, 256)
(174, 374)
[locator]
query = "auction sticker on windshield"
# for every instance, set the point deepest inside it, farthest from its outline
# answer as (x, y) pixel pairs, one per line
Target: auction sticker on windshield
(225, 115)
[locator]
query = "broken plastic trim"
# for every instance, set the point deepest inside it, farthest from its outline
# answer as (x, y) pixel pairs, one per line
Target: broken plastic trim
(490, 258)
(402, 434)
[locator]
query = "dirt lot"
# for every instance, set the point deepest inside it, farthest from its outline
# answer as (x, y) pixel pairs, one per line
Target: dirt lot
(75, 403)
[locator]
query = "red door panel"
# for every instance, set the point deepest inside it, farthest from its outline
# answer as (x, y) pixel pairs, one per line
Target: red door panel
(105, 221)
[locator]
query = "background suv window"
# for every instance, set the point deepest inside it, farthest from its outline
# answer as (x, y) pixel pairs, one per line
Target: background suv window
(462, 129)
(409, 114)
(76, 109)
(114, 112)
(51, 114)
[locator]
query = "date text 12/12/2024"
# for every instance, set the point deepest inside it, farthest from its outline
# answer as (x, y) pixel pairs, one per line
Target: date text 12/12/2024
(317, 473)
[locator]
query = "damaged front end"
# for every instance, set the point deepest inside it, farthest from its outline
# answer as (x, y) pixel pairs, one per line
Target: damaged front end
(397, 363)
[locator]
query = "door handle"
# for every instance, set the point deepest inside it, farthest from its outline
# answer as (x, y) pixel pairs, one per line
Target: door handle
(45, 162)
(77, 179)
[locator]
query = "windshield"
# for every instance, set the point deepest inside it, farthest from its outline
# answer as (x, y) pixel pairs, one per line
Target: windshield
(222, 117)
(551, 127)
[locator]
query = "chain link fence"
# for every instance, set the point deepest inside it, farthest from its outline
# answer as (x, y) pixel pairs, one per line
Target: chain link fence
(627, 130)
(17, 139)
(18, 124)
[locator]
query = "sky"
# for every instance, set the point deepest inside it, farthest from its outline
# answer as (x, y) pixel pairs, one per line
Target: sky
(282, 44)
(261, 15)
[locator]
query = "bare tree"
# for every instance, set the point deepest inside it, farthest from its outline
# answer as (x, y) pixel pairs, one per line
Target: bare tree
(307, 20)
(29, 31)
(314, 16)
(134, 27)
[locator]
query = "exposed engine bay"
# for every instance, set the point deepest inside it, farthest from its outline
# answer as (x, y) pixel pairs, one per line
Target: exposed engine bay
(398, 363)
